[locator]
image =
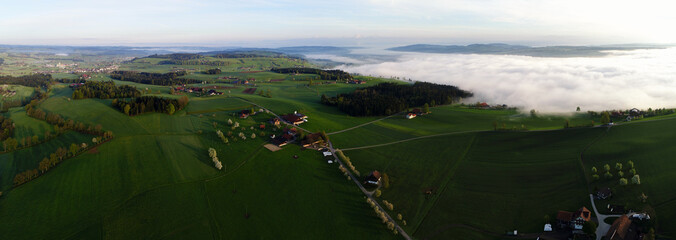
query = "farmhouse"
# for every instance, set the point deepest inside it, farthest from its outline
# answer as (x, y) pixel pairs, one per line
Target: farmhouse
(282, 140)
(312, 139)
(214, 92)
(373, 178)
(604, 193)
(274, 121)
(356, 82)
(411, 116)
(622, 230)
(295, 118)
(245, 113)
(573, 220)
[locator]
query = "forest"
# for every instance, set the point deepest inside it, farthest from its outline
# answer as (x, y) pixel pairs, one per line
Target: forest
(391, 98)
(162, 79)
(104, 90)
(177, 56)
(146, 104)
(35, 80)
(324, 74)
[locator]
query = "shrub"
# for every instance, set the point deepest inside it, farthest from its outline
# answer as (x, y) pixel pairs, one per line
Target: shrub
(636, 179)
(632, 171)
(606, 167)
(620, 173)
(623, 181)
(630, 164)
(593, 169)
(608, 175)
(595, 177)
(377, 193)
(618, 166)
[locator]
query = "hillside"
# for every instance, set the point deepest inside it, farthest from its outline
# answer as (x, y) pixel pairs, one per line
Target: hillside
(458, 172)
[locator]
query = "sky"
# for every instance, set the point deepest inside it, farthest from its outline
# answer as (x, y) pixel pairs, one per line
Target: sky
(267, 23)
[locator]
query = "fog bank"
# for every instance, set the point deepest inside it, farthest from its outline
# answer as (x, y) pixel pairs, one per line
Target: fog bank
(625, 79)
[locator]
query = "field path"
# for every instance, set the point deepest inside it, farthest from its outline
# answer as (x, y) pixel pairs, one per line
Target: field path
(364, 124)
(415, 138)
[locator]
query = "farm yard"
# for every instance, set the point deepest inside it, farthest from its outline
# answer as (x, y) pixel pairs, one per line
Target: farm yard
(459, 172)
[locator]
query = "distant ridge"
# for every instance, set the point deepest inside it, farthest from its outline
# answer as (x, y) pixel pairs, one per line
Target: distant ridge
(507, 49)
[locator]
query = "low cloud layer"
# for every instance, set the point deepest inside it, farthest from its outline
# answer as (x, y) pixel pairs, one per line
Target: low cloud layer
(640, 78)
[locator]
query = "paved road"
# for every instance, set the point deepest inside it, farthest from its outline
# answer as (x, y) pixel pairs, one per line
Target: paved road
(356, 180)
(603, 227)
(368, 195)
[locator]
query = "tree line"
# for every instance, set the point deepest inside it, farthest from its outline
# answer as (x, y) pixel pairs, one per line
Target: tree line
(144, 104)
(104, 90)
(6, 128)
(177, 56)
(213, 71)
(35, 80)
(324, 74)
(390, 98)
(57, 157)
(162, 79)
(194, 62)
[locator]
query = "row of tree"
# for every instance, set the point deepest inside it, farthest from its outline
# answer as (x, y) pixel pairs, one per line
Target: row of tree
(6, 128)
(35, 80)
(104, 90)
(213, 71)
(146, 104)
(57, 157)
(323, 74)
(390, 98)
(194, 62)
(162, 79)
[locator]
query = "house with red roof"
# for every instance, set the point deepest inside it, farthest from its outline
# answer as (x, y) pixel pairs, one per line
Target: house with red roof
(574, 220)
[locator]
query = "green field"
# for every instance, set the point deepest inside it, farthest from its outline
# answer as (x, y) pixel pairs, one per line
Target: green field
(505, 181)
(451, 175)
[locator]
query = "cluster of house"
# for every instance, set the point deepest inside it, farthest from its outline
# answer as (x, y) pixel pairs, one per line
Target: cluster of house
(7, 93)
(414, 113)
(243, 82)
(573, 220)
(211, 92)
(75, 85)
(356, 82)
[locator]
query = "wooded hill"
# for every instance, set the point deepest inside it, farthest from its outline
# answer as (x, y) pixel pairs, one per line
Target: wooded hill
(391, 98)
(162, 79)
(324, 74)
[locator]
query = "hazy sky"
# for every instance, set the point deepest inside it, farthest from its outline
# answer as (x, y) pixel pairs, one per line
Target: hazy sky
(345, 22)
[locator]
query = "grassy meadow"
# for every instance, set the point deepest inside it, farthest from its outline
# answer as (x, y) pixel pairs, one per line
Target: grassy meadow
(459, 180)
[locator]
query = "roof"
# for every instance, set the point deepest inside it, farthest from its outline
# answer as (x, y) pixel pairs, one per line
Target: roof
(292, 118)
(564, 216)
(583, 213)
(619, 228)
(376, 174)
